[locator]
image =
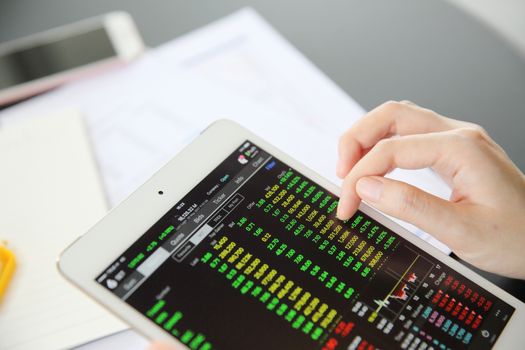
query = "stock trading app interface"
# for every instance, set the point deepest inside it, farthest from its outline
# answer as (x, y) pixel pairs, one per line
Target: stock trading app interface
(254, 258)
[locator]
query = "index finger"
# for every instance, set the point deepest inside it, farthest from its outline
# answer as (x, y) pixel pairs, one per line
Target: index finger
(390, 118)
(406, 152)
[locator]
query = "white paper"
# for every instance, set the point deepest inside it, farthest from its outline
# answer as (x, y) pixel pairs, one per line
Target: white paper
(50, 193)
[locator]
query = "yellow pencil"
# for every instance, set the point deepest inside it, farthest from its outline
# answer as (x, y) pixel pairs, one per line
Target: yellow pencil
(7, 267)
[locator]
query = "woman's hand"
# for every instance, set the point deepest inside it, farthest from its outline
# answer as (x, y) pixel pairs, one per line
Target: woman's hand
(484, 220)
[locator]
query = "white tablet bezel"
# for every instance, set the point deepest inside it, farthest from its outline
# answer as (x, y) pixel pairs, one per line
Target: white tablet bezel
(93, 252)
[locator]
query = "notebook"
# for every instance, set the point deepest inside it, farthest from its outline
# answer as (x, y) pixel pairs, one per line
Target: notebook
(50, 193)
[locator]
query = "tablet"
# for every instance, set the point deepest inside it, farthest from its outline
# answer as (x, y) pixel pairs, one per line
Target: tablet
(234, 245)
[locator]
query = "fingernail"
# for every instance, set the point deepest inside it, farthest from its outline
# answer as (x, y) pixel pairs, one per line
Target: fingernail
(369, 189)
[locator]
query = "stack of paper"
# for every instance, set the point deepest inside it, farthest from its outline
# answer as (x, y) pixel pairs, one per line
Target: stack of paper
(50, 193)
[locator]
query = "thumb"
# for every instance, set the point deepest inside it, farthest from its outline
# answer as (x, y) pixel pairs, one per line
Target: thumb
(407, 203)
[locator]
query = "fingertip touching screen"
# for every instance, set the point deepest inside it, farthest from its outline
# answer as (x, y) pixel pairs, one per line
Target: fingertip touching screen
(254, 258)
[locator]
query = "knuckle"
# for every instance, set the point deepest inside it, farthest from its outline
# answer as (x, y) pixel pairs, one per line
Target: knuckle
(392, 106)
(384, 144)
(407, 102)
(410, 201)
(472, 134)
(479, 131)
(385, 151)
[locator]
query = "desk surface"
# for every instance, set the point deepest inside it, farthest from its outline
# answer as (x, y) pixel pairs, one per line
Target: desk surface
(425, 51)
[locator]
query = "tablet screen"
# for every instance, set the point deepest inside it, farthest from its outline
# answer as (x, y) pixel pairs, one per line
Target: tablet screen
(254, 258)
